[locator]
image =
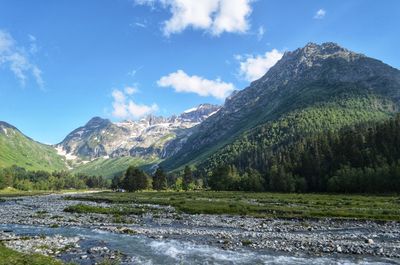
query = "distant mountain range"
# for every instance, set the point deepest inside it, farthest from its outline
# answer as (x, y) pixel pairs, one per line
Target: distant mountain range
(104, 147)
(310, 90)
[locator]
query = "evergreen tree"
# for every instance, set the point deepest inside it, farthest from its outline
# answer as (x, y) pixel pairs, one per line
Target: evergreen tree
(117, 182)
(135, 179)
(160, 179)
(187, 178)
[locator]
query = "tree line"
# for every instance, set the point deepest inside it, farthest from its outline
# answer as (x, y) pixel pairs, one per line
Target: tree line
(358, 159)
(22, 179)
(135, 179)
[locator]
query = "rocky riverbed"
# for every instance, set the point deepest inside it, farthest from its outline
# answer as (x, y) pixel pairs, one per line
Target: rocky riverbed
(334, 240)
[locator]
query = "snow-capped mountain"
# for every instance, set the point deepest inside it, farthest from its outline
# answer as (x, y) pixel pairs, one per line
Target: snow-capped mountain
(149, 137)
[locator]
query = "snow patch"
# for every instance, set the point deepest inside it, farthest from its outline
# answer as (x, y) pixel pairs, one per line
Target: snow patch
(190, 110)
(60, 151)
(212, 113)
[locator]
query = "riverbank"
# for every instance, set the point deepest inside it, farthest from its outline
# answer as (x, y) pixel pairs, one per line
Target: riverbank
(309, 238)
(12, 257)
(264, 205)
(11, 192)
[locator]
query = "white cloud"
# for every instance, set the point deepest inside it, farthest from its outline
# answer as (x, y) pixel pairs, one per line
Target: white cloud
(6, 42)
(254, 67)
(133, 72)
(130, 90)
(260, 33)
(141, 25)
(17, 60)
(232, 17)
(118, 95)
(214, 16)
(140, 110)
(194, 13)
(37, 73)
(320, 14)
(33, 46)
(145, 2)
(126, 108)
(181, 82)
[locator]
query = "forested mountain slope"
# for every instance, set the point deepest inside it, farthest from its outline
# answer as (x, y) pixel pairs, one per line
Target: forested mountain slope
(310, 90)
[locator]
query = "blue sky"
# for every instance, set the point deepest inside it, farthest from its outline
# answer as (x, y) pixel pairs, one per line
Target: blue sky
(63, 62)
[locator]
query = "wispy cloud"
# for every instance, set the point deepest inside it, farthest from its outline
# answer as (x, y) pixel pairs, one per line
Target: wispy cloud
(17, 60)
(182, 82)
(141, 25)
(320, 14)
(130, 90)
(124, 106)
(33, 48)
(213, 16)
(133, 72)
(260, 33)
(252, 67)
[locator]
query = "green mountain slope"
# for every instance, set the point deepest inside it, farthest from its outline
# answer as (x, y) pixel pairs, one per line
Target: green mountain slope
(113, 166)
(18, 149)
(312, 89)
(253, 147)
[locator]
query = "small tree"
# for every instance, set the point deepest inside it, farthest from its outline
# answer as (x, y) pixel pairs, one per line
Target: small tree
(159, 179)
(117, 182)
(224, 178)
(135, 179)
(187, 178)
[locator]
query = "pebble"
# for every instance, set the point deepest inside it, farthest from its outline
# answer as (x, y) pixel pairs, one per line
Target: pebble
(296, 236)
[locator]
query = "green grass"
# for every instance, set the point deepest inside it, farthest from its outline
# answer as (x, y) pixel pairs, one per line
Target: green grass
(11, 257)
(11, 192)
(17, 149)
(274, 205)
(83, 208)
(112, 166)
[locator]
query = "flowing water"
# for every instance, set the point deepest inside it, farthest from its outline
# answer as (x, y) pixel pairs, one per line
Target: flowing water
(144, 250)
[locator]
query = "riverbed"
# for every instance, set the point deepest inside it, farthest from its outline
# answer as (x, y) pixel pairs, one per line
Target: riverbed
(175, 238)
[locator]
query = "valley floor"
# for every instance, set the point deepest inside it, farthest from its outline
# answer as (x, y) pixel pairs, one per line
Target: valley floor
(198, 227)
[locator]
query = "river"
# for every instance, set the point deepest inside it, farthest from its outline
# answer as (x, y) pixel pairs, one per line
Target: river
(161, 248)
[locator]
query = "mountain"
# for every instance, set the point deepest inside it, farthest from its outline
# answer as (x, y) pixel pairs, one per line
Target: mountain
(101, 145)
(310, 90)
(18, 149)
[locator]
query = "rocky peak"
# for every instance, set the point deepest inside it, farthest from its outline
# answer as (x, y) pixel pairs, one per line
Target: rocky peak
(4, 124)
(5, 128)
(315, 61)
(149, 136)
(97, 122)
(199, 113)
(314, 55)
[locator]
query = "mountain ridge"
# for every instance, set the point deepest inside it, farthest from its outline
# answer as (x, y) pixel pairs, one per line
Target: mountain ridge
(150, 138)
(18, 149)
(314, 73)
(306, 88)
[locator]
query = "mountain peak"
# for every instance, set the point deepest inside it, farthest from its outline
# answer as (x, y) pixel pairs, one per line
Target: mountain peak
(97, 121)
(4, 124)
(199, 113)
(313, 53)
(295, 63)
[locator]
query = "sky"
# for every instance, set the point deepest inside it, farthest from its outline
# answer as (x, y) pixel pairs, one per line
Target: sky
(63, 62)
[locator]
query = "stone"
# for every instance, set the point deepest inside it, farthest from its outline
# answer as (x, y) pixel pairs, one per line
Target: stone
(369, 241)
